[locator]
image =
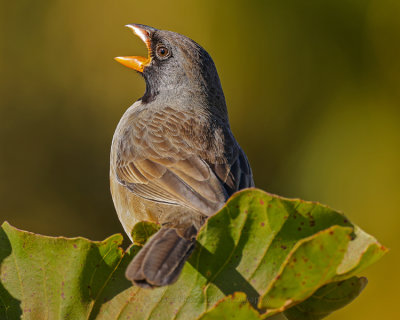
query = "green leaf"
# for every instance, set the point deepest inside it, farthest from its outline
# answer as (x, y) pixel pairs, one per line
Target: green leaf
(142, 231)
(259, 256)
(234, 306)
(312, 263)
(55, 278)
(327, 299)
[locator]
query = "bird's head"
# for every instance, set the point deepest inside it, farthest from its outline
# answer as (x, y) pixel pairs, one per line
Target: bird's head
(176, 66)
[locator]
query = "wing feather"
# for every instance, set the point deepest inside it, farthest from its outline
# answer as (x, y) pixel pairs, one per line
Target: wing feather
(159, 159)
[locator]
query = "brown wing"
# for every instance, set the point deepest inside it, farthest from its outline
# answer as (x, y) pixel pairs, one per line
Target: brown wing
(161, 159)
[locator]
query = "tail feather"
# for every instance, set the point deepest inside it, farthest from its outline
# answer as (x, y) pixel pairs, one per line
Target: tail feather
(161, 260)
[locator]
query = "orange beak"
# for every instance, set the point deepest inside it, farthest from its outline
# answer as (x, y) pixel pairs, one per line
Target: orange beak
(136, 62)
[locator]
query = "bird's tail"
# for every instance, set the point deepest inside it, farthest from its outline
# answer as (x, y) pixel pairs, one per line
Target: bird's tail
(161, 260)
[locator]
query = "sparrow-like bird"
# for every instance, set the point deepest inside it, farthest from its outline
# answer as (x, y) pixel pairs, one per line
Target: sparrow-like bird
(174, 159)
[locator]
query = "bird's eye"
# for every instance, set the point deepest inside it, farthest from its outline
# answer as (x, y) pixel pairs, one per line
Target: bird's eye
(162, 52)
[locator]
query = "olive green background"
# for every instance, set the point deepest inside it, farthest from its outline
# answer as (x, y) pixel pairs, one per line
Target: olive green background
(313, 91)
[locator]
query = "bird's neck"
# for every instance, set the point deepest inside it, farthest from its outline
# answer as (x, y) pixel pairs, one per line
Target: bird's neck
(211, 102)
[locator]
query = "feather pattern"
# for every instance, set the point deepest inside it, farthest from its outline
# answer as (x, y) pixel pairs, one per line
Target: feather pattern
(160, 159)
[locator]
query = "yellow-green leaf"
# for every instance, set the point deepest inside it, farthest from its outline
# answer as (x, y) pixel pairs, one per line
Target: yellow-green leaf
(259, 256)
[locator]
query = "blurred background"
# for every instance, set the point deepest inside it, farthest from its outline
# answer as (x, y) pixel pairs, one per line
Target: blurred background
(313, 91)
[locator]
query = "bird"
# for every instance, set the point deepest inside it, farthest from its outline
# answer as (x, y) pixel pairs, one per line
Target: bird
(174, 159)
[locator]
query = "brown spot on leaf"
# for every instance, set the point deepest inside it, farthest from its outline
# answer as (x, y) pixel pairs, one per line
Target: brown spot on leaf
(261, 201)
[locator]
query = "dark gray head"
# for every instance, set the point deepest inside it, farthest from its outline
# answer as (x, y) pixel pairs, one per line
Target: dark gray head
(176, 68)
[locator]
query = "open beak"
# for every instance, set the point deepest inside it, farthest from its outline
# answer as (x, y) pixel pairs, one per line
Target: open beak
(136, 62)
